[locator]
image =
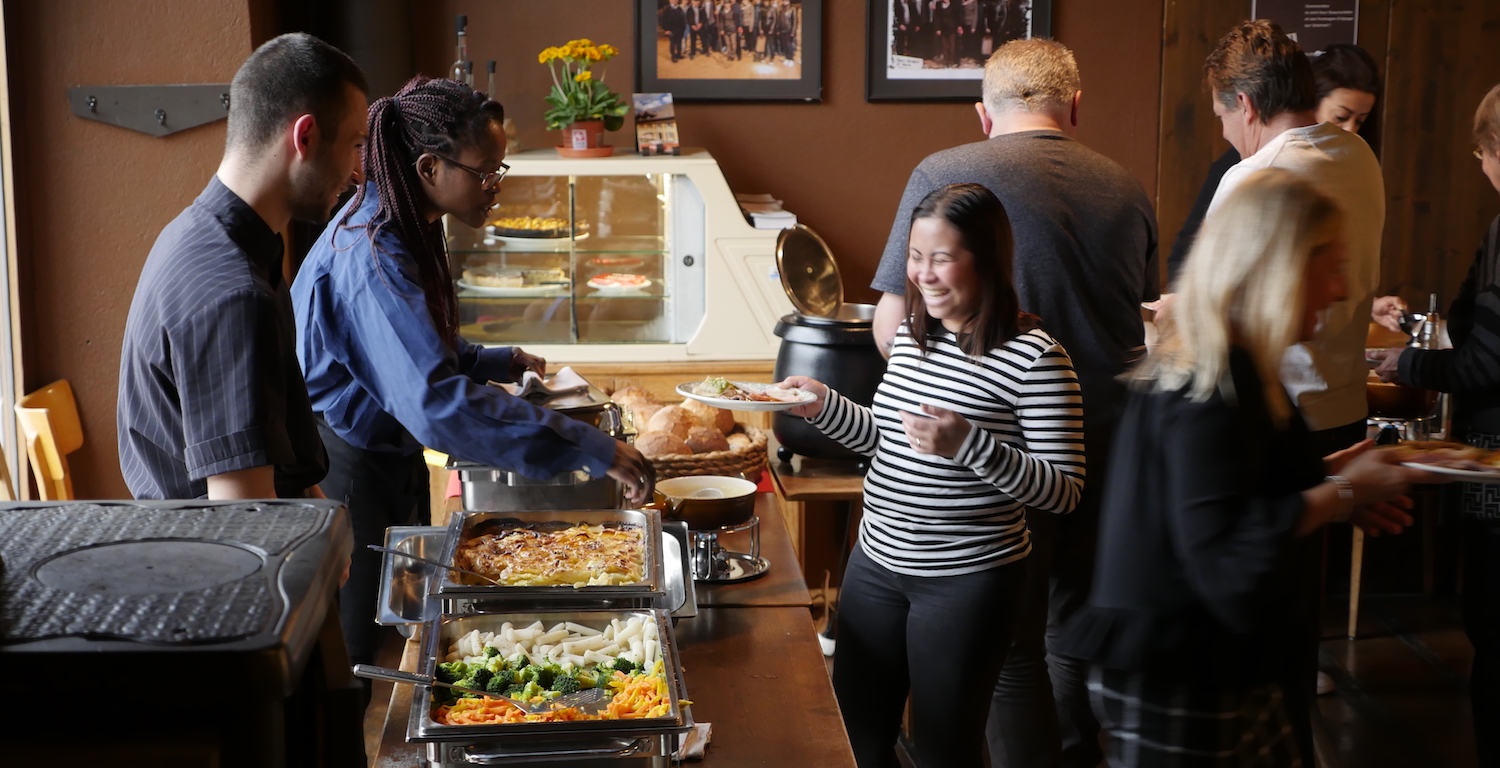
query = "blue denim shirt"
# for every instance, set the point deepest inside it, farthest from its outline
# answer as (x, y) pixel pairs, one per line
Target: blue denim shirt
(384, 380)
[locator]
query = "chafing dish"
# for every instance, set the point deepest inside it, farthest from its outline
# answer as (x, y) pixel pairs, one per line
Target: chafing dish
(650, 741)
(459, 597)
(496, 489)
(405, 585)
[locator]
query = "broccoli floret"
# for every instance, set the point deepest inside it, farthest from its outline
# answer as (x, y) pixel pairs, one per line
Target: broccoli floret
(540, 675)
(452, 671)
(530, 691)
(564, 684)
(497, 666)
(625, 665)
(491, 651)
(498, 684)
(590, 678)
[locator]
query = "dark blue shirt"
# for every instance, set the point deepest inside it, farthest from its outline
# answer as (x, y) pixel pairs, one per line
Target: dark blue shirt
(384, 380)
(209, 381)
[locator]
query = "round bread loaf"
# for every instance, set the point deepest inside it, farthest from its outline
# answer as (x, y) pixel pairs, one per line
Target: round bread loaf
(632, 396)
(739, 441)
(672, 419)
(708, 416)
(653, 444)
(641, 414)
(705, 439)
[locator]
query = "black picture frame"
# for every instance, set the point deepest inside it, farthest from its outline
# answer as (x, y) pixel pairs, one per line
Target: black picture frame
(653, 45)
(1035, 21)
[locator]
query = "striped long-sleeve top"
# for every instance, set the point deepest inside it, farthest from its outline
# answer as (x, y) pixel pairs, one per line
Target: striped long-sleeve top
(925, 515)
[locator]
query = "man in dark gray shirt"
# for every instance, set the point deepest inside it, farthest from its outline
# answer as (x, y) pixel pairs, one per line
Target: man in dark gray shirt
(212, 401)
(1085, 258)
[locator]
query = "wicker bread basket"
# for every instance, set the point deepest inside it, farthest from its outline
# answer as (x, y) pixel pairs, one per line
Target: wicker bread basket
(748, 461)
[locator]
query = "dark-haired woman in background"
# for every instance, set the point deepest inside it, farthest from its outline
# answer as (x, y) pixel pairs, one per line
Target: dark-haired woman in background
(377, 336)
(977, 421)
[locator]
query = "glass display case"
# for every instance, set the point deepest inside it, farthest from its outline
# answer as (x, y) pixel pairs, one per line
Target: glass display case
(623, 251)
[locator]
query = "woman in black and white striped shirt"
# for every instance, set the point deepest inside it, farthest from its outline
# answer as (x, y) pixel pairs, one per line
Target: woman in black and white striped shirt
(978, 419)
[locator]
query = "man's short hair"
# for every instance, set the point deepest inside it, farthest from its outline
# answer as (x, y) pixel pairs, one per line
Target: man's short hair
(294, 74)
(1030, 76)
(1487, 121)
(1257, 59)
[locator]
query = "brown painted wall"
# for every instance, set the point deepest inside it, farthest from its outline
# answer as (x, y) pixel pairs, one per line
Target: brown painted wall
(92, 197)
(840, 165)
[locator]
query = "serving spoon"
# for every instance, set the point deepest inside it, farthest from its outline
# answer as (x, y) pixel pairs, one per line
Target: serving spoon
(581, 699)
(454, 568)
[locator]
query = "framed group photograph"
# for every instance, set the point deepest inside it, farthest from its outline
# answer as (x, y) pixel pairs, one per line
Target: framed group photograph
(730, 50)
(934, 50)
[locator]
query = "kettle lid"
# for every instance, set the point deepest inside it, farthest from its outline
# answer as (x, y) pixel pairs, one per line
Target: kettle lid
(809, 275)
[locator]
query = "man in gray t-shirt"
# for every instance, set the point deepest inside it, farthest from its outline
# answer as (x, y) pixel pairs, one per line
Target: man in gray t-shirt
(1085, 258)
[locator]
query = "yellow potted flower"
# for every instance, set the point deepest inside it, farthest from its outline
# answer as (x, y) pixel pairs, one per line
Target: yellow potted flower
(581, 104)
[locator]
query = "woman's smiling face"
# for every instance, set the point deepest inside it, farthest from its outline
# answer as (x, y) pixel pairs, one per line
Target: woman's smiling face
(943, 270)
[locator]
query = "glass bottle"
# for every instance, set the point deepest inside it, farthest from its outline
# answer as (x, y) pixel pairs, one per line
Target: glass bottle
(463, 69)
(512, 144)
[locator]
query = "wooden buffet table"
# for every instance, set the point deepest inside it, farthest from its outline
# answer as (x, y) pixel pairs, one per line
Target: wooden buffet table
(753, 668)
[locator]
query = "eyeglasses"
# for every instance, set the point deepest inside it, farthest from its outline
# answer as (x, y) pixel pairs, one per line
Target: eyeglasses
(487, 180)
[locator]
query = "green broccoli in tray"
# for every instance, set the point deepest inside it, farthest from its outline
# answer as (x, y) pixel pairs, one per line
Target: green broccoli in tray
(625, 665)
(491, 651)
(592, 678)
(478, 678)
(451, 672)
(565, 684)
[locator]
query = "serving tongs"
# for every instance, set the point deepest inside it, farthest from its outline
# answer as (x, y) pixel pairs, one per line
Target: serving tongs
(590, 700)
(454, 568)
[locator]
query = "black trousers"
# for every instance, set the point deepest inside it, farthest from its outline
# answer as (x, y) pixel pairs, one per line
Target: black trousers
(1481, 613)
(1040, 716)
(1299, 678)
(945, 636)
(380, 490)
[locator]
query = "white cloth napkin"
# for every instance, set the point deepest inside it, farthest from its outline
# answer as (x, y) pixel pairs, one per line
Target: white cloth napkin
(694, 742)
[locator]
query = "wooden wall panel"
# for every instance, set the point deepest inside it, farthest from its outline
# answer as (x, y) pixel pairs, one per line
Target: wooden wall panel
(1443, 56)
(1191, 138)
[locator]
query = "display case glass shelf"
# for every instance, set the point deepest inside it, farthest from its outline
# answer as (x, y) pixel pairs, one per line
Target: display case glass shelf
(574, 259)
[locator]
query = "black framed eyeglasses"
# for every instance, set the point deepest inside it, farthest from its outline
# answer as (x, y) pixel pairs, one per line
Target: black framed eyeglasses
(487, 179)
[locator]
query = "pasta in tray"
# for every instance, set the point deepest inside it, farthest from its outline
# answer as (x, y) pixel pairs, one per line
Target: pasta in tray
(580, 556)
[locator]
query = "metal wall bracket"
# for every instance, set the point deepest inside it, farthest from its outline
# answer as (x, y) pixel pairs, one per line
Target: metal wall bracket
(159, 110)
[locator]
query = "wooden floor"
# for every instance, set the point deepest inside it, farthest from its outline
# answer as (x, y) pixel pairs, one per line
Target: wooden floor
(1401, 696)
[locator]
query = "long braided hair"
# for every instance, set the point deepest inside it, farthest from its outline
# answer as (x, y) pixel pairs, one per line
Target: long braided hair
(426, 116)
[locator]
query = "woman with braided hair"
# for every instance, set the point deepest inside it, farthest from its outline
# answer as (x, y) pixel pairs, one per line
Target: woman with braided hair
(377, 336)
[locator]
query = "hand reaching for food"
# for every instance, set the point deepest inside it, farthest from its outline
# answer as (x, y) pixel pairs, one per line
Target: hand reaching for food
(940, 433)
(1389, 368)
(521, 362)
(635, 472)
(817, 388)
(1386, 312)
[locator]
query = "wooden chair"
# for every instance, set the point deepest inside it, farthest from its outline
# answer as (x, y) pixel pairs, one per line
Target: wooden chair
(50, 426)
(7, 489)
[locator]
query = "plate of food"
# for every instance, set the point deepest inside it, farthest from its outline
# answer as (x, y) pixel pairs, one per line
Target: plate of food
(519, 291)
(744, 395)
(618, 282)
(512, 282)
(1466, 461)
(534, 228)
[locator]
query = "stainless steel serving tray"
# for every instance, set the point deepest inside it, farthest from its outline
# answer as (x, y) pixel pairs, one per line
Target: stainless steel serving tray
(643, 592)
(443, 631)
(405, 585)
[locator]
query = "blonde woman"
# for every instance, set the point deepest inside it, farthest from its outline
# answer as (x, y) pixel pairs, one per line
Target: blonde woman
(1212, 479)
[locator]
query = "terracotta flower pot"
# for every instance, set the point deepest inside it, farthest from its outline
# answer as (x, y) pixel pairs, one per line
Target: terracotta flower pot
(584, 138)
